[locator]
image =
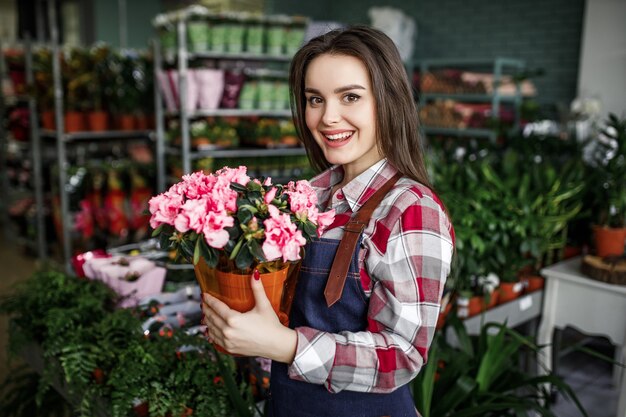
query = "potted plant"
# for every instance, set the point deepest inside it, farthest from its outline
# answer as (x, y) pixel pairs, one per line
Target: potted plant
(482, 376)
(608, 163)
(228, 224)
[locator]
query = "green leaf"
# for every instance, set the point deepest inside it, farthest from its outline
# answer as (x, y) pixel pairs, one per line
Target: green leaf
(238, 187)
(196, 252)
(256, 250)
(244, 215)
(209, 254)
(253, 186)
(164, 242)
(187, 248)
(157, 231)
(236, 399)
(310, 229)
(244, 258)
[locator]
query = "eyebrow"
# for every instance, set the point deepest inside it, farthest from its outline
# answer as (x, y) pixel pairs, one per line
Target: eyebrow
(337, 90)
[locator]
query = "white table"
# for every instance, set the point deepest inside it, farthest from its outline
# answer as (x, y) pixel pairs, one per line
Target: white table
(590, 306)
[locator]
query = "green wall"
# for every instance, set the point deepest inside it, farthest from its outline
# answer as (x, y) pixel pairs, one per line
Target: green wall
(139, 15)
(544, 33)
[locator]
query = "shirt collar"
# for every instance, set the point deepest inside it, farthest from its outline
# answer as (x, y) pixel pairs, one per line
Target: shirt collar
(360, 189)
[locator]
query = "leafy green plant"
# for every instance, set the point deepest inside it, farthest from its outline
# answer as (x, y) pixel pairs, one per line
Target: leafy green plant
(608, 173)
(106, 362)
(482, 376)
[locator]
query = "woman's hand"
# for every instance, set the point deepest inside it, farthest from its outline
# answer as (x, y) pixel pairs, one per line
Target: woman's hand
(257, 332)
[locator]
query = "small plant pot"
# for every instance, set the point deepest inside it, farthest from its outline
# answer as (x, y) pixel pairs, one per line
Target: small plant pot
(98, 121)
(235, 291)
(74, 121)
(533, 283)
(609, 241)
(126, 122)
(509, 291)
(47, 120)
(470, 306)
(142, 122)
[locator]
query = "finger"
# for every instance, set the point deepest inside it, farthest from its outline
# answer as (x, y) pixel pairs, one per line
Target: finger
(214, 320)
(260, 297)
(216, 305)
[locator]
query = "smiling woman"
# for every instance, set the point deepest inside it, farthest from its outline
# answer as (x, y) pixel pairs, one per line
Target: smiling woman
(367, 299)
(341, 112)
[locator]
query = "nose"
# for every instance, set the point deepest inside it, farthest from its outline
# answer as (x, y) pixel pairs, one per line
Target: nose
(332, 114)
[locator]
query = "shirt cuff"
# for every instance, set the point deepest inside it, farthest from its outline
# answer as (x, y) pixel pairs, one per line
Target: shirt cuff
(315, 354)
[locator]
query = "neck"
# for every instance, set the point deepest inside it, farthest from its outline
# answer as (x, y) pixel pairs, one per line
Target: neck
(351, 171)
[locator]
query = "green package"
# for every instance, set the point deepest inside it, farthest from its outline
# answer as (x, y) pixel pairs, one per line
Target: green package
(198, 35)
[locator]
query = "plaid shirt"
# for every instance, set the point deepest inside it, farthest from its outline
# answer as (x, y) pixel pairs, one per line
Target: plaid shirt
(404, 262)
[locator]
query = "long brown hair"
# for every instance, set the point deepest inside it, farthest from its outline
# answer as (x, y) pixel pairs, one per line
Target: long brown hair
(397, 126)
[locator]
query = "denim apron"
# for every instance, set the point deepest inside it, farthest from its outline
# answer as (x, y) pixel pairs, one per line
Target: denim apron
(291, 398)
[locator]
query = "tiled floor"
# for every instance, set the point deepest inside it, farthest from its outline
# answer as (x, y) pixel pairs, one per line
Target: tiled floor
(590, 378)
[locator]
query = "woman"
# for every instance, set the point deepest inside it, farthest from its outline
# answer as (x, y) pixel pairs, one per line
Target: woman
(356, 338)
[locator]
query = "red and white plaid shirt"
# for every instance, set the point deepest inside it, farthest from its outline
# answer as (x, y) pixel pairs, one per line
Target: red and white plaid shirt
(404, 261)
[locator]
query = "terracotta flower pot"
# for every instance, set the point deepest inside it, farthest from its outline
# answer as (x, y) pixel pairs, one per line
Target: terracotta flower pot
(509, 291)
(533, 283)
(609, 241)
(98, 121)
(47, 120)
(74, 121)
(235, 290)
(469, 307)
(126, 122)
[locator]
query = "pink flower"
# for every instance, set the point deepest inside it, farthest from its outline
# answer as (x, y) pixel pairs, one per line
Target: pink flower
(268, 181)
(237, 175)
(196, 185)
(282, 237)
(302, 200)
(164, 208)
(324, 220)
(222, 196)
(269, 196)
(191, 216)
(213, 230)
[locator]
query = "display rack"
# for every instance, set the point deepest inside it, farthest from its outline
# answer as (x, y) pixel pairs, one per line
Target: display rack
(185, 152)
(64, 139)
(34, 151)
(498, 67)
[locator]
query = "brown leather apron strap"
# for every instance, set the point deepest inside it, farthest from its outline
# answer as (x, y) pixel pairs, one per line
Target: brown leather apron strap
(352, 231)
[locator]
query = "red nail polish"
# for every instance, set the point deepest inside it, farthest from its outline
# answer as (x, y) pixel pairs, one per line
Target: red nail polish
(257, 275)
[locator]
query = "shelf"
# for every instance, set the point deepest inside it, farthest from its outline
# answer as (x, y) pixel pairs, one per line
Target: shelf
(240, 56)
(467, 98)
(470, 62)
(458, 132)
(110, 134)
(514, 313)
(234, 113)
(239, 152)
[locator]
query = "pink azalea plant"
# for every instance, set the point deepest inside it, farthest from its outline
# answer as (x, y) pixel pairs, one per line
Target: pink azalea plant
(228, 218)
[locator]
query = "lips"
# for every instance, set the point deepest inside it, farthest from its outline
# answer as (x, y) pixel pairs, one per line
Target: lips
(337, 138)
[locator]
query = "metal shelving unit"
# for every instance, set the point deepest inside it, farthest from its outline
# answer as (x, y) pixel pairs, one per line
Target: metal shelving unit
(34, 148)
(64, 139)
(498, 67)
(185, 151)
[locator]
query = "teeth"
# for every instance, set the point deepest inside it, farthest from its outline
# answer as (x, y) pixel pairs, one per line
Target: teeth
(338, 136)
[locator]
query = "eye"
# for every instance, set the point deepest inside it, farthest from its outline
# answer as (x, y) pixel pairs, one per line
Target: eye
(314, 100)
(351, 98)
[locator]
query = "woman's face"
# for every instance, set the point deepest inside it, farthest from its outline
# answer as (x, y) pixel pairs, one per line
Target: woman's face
(341, 111)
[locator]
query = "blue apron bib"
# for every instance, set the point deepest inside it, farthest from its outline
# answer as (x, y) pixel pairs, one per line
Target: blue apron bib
(291, 398)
